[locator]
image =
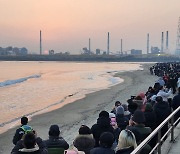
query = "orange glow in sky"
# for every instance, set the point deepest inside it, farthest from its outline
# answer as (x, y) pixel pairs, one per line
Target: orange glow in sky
(68, 24)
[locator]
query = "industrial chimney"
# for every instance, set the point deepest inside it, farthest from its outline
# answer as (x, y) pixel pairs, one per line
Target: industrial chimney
(162, 42)
(108, 44)
(167, 40)
(148, 43)
(40, 44)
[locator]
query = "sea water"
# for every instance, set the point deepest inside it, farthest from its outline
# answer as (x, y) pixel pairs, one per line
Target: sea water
(30, 88)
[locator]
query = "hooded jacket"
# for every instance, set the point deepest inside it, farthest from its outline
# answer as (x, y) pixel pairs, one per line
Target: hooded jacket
(162, 111)
(103, 125)
(122, 121)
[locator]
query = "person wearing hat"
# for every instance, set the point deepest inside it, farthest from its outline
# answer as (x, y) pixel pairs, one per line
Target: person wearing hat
(106, 141)
(150, 117)
(162, 111)
(126, 111)
(136, 125)
(84, 141)
(102, 125)
(55, 140)
(122, 121)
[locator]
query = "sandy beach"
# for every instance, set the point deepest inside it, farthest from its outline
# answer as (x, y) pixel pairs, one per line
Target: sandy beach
(86, 110)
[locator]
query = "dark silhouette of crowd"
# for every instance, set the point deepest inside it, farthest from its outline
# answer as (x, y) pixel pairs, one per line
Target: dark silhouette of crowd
(119, 131)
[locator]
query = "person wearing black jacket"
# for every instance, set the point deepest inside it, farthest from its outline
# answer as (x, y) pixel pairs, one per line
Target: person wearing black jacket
(122, 121)
(162, 111)
(55, 140)
(22, 130)
(102, 125)
(106, 142)
(150, 117)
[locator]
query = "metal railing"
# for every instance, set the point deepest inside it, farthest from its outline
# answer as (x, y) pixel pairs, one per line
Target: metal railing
(170, 119)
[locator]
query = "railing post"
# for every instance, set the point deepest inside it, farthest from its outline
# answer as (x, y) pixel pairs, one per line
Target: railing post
(159, 141)
(172, 129)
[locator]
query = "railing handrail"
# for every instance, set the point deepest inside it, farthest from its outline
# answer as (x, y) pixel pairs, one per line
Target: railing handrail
(142, 144)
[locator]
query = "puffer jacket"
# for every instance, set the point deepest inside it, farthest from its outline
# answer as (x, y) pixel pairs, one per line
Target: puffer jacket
(103, 125)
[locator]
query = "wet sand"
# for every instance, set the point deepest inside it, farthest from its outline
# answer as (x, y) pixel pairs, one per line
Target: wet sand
(86, 110)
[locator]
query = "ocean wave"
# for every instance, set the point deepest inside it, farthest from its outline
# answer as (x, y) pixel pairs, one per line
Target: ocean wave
(11, 82)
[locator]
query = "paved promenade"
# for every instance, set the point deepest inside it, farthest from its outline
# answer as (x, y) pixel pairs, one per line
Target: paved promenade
(175, 148)
(172, 148)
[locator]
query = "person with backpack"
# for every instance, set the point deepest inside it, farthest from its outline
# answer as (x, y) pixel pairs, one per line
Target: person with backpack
(24, 129)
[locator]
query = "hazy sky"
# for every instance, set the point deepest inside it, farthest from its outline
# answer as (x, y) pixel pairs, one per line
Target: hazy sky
(68, 24)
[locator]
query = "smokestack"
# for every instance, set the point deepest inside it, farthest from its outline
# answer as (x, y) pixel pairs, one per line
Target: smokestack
(108, 44)
(167, 40)
(89, 45)
(148, 43)
(121, 46)
(162, 42)
(40, 44)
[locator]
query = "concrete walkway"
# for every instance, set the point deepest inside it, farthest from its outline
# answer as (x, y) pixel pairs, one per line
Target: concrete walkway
(172, 148)
(175, 148)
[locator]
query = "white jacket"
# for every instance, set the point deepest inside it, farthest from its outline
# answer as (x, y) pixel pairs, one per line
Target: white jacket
(164, 94)
(178, 83)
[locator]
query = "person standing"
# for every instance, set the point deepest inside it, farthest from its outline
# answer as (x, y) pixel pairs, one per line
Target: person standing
(22, 130)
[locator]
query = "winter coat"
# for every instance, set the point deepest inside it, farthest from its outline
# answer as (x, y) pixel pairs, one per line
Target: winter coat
(150, 117)
(164, 95)
(122, 121)
(40, 149)
(18, 135)
(84, 143)
(101, 150)
(140, 132)
(162, 111)
(56, 142)
(127, 150)
(103, 125)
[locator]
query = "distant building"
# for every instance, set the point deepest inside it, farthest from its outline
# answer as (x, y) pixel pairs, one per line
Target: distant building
(155, 50)
(23, 51)
(13, 51)
(136, 52)
(98, 52)
(86, 51)
(51, 52)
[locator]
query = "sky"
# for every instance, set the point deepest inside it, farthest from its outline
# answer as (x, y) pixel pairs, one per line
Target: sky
(67, 25)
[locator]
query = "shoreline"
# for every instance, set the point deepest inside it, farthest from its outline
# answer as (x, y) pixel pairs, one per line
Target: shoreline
(85, 110)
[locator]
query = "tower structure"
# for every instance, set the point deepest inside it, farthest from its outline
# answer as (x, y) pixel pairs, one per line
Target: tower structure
(178, 39)
(162, 42)
(40, 43)
(89, 45)
(148, 43)
(121, 46)
(167, 40)
(108, 44)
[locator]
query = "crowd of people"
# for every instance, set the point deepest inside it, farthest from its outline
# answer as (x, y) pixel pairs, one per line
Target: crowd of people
(119, 131)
